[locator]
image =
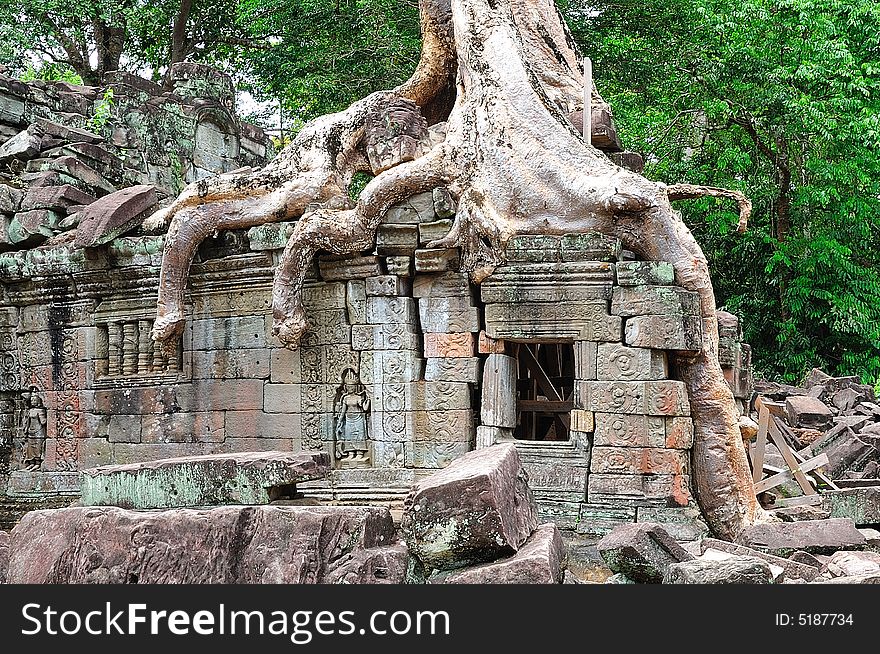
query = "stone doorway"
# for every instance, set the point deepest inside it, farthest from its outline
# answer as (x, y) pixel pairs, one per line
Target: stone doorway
(545, 389)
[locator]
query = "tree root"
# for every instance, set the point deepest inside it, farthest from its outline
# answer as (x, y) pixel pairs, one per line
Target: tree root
(692, 192)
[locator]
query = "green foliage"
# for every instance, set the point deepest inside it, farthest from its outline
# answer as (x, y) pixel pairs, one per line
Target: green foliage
(325, 55)
(51, 72)
(780, 99)
(103, 112)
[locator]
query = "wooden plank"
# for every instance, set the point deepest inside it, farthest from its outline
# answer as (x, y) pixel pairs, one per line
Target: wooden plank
(779, 440)
(816, 473)
(539, 375)
(802, 500)
(786, 475)
(760, 447)
(545, 406)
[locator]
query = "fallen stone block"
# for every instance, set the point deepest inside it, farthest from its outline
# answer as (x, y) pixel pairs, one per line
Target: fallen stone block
(115, 214)
(209, 480)
(54, 197)
(376, 565)
(732, 569)
(477, 509)
(860, 504)
(23, 145)
(806, 411)
(854, 564)
(791, 568)
(619, 578)
(538, 561)
(813, 536)
(230, 544)
(67, 133)
(10, 199)
(641, 551)
(4, 556)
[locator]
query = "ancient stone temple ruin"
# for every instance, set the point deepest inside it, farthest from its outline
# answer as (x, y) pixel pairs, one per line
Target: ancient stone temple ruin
(562, 350)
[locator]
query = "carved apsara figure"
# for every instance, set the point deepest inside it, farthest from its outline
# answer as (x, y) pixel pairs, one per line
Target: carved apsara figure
(350, 409)
(34, 433)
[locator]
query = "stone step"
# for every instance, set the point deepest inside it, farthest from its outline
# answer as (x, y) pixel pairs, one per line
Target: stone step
(209, 480)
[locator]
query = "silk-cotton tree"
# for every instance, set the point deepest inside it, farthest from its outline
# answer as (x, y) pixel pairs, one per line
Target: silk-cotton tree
(486, 114)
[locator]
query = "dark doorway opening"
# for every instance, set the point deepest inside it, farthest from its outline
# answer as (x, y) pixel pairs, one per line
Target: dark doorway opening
(544, 388)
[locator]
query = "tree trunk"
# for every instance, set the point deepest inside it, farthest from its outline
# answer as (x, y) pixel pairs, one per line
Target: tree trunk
(516, 164)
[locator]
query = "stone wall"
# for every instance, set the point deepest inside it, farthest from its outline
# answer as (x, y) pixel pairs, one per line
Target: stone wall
(425, 358)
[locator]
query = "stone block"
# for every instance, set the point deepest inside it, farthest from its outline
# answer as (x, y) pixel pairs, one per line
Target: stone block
(385, 310)
(389, 366)
(346, 267)
(533, 248)
(445, 426)
(356, 301)
(643, 273)
(450, 346)
(616, 362)
(671, 489)
(437, 260)
(808, 412)
(454, 369)
(643, 552)
(324, 296)
(400, 265)
(433, 231)
(231, 364)
(114, 215)
(434, 455)
(862, 505)
(487, 345)
(397, 239)
(262, 427)
(653, 398)
(638, 461)
(448, 314)
(520, 289)
(284, 366)
(443, 395)
(282, 398)
(446, 284)
(629, 430)
(386, 285)
(538, 561)
(394, 336)
(230, 544)
(587, 321)
(229, 333)
(679, 433)
(792, 569)
(724, 569)
(444, 203)
(582, 421)
(563, 479)
(473, 511)
(212, 480)
(376, 565)
(220, 394)
(599, 519)
(813, 536)
(202, 427)
(125, 429)
(585, 360)
(664, 333)
(589, 247)
(327, 328)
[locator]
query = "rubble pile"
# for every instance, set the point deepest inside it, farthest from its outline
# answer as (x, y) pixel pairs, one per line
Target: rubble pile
(839, 416)
(831, 551)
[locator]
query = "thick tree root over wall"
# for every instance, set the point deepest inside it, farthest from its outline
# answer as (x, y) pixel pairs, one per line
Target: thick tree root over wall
(497, 80)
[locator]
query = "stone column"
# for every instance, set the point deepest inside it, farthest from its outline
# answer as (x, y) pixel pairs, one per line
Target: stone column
(145, 363)
(129, 348)
(114, 348)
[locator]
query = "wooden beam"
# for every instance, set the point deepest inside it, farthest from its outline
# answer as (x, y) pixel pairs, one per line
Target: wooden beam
(760, 444)
(786, 475)
(802, 500)
(545, 406)
(779, 440)
(539, 375)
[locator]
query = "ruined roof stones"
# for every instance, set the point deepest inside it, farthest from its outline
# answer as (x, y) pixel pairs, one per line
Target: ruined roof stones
(62, 146)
